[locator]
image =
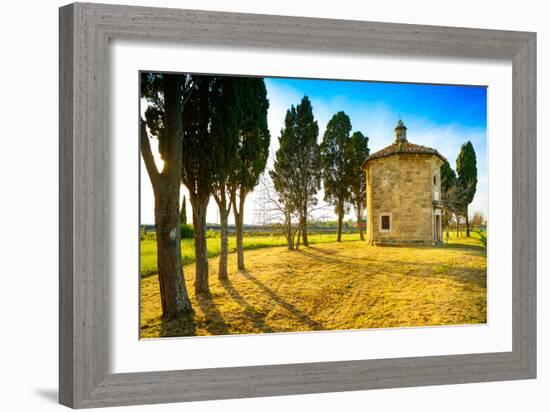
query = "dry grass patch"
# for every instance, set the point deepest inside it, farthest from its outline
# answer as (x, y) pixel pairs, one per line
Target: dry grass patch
(332, 286)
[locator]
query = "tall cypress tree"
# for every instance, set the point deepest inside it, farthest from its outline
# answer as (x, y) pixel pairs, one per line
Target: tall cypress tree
(197, 171)
(466, 168)
(252, 153)
(285, 174)
(336, 166)
(358, 150)
(307, 162)
(227, 117)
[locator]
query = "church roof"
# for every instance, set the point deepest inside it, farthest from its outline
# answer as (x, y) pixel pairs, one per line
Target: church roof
(403, 147)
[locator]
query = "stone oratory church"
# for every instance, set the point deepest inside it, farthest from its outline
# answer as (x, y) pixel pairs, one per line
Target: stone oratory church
(404, 193)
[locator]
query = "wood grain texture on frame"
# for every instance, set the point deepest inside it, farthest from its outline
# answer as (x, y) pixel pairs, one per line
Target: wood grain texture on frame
(85, 31)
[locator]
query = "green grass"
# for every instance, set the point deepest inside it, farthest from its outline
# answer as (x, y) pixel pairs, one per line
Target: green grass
(331, 286)
(148, 255)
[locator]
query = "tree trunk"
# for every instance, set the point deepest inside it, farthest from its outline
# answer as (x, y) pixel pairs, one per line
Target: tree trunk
(288, 231)
(299, 236)
(303, 224)
(183, 213)
(467, 223)
(289, 241)
(457, 226)
(224, 241)
(238, 211)
(340, 221)
(173, 293)
(359, 221)
(199, 205)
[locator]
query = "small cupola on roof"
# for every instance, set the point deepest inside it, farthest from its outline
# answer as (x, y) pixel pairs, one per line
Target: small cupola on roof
(400, 132)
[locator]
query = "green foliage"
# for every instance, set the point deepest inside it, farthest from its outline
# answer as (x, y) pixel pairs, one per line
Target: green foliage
(296, 172)
(336, 166)
(153, 86)
(357, 152)
(308, 162)
(466, 168)
(186, 231)
(448, 177)
(253, 143)
(227, 101)
(448, 192)
(283, 173)
(198, 161)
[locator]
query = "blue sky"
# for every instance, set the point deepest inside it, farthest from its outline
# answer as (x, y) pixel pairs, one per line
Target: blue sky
(442, 104)
(439, 116)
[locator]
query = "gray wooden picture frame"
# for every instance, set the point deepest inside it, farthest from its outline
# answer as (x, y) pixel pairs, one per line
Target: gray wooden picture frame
(85, 31)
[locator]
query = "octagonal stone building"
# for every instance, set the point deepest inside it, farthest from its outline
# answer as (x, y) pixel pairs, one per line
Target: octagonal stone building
(404, 193)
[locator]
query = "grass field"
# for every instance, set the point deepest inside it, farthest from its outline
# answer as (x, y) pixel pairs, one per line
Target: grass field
(148, 253)
(332, 286)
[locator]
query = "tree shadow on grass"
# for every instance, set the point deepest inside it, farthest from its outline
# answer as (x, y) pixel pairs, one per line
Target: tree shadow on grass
(256, 317)
(468, 276)
(329, 257)
(183, 325)
(295, 312)
(214, 322)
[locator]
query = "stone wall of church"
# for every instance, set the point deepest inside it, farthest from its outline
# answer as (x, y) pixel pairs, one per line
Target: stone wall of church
(401, 186)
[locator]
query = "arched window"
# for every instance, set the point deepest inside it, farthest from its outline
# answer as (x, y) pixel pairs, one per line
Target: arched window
(435, 180)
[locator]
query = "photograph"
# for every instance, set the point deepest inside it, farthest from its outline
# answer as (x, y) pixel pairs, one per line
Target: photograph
(280, 205)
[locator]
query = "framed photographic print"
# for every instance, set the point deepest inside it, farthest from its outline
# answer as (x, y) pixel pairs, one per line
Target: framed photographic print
(257, 205)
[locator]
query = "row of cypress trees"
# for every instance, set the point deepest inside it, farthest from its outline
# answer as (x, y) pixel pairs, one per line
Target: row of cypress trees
(301, 164)
(213, 138)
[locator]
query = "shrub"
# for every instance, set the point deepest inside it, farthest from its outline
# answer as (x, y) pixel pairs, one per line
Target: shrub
(186, 231)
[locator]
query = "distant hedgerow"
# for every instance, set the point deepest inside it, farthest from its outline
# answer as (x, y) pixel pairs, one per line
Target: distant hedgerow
(186, 231)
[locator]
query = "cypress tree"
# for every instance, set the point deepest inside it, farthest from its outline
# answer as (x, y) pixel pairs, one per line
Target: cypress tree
(197, 171)
(448, 195)
(466, 168)
(165, 96)
(285, 174)
(358, 150)
(252, 152)
(336, 169)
